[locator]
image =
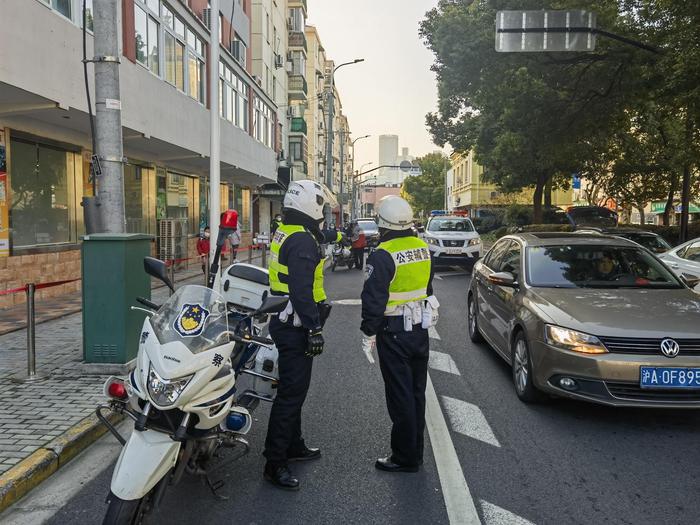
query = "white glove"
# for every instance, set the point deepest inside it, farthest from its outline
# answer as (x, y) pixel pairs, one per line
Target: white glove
(369, 343)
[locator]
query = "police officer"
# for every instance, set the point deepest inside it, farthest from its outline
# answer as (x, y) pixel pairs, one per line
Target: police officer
(296, 270)
(397, 309)
(275, 224)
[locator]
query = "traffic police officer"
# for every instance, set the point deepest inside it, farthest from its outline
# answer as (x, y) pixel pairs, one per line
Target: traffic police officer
(397, 310)
(296, 270)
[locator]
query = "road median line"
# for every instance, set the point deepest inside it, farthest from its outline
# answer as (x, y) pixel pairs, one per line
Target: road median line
(44, 462)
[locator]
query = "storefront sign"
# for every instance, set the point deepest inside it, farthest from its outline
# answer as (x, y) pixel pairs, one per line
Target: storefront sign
(660, 207)
(4, 200)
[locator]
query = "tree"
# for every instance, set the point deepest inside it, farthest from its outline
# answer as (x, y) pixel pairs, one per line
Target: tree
(532, 119)
(426, 192)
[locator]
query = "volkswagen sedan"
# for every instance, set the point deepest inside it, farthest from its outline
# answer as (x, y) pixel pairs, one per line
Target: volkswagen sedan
(594, 318)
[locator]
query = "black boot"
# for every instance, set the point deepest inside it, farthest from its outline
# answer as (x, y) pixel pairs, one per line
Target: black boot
(306, 454)
(281, 477)
(388, 465)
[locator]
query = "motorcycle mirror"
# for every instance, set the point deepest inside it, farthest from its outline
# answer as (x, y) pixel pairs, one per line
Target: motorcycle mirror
(272, 304)
(157, 268)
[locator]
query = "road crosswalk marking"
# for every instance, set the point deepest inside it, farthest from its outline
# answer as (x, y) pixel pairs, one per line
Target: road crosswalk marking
(432, 332)
(495, 515)
(348, 302)
(443, 362)
(467, 419)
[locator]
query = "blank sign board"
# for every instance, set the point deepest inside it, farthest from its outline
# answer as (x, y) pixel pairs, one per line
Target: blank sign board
(545, 31)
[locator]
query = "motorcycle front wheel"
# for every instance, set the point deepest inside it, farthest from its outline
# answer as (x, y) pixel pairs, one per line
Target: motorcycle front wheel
(123, 512)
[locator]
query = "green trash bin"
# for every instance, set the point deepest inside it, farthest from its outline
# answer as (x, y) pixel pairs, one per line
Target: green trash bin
(113, 276)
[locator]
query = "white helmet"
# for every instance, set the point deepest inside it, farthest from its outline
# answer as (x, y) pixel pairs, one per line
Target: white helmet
(309, 198)
(394, 213)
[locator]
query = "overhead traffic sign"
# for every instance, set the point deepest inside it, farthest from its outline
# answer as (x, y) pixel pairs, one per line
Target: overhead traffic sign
(545, 31)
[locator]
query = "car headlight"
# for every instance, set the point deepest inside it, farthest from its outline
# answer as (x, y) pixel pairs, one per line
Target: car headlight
(431, 240)
(573, 340)
(165, 392)
(474, 242)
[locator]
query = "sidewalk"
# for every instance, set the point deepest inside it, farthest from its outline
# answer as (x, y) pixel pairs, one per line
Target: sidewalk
(35, 417)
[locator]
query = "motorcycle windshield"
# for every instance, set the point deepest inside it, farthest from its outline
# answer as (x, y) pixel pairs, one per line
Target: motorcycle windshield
(194, 316)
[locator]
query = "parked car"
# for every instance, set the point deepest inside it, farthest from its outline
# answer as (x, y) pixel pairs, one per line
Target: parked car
(650, 240)
(588, 317)
(371, 230)
(684, 259)
(592, 216)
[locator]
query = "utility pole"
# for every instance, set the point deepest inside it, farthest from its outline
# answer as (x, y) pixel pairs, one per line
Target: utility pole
(342, 166)
(108, 120)
(215, 132)
(329, 145)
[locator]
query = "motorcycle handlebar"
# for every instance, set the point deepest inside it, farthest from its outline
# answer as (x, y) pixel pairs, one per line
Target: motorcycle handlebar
(149, 304)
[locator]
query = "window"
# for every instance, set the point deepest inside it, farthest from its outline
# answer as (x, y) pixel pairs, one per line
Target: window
(63, 7)
(495, 256)
(296, 19)
(692, 252)
(195, 66)
(46, 184)
(178, 198)
(510, 262)
(140, 199)
(295, 150)
(233, 100)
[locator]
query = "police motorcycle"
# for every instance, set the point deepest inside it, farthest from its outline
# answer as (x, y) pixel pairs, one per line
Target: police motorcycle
(202, 368)
(341, 255)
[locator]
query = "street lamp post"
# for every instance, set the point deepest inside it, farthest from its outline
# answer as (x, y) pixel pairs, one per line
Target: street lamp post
(352, 171)
(329, 130)
(356, 188)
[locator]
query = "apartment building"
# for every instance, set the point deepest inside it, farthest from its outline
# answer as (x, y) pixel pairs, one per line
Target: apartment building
(316, 114)
(298, 91)
(45, 144)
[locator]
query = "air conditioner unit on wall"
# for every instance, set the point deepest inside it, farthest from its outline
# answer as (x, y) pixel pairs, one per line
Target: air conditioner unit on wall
(206, 17)
(279, 62)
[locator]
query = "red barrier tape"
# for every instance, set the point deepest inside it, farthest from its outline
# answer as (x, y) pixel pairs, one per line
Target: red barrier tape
(37, 286)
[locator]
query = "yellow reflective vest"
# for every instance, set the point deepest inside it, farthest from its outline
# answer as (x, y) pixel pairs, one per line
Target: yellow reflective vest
(411, 258)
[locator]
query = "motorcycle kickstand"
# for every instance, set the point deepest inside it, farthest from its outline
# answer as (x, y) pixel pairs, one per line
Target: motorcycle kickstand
(215, 486)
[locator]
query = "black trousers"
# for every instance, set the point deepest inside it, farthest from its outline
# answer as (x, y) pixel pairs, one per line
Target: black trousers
(358, 255)
(284, 428)
(403, 360)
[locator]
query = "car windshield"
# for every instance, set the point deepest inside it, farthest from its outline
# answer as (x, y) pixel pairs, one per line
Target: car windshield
(368, 226)
(194, 315)
(585, 266)
(450, 225)
(652, 243)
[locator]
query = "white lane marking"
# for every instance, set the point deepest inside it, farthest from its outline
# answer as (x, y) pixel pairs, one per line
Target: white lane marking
(47, 499)
(455, 491)
(432, 332)
(468, 419)
(348, 302)
(443, 363)
(495, 515)
(438, 277)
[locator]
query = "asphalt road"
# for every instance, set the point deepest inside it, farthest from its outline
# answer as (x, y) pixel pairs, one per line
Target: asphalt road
(559, 462)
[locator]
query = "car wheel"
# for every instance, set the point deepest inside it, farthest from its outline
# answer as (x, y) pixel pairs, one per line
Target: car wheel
(523, 372)
(473, 322)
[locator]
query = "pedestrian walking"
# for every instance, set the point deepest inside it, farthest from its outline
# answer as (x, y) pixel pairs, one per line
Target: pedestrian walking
(397, 309)
(203, 247)
(234, 239)
(296, 270)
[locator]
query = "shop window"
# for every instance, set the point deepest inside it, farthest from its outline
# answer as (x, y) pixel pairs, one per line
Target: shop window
(139, 199)
(177, 199)
(43, 194)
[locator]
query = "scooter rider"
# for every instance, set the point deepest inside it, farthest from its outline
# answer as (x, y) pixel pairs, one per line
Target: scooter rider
(296, 270)
(397, 309)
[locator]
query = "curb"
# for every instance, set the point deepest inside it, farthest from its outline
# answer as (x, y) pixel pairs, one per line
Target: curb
(41, 464)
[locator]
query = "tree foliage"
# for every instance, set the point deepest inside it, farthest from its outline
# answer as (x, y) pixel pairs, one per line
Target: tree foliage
(617, 115)
(426, 192)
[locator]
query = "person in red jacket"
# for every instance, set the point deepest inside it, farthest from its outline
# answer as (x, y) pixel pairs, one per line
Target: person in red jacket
(359, 243)
(203, 246)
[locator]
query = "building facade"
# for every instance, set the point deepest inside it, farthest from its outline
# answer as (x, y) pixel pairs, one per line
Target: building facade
(45, 129)
(315, 115)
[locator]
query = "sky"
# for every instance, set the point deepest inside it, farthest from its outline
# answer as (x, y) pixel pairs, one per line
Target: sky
(393, 90)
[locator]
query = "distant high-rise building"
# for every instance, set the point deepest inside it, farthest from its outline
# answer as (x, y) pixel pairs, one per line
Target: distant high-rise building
(389, 156)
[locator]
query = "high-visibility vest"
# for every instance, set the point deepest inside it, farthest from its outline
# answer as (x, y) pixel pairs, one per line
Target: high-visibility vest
(411, 258)
(277, 269)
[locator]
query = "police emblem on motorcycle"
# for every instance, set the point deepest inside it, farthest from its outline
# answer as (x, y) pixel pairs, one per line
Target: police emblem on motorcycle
(191, 320)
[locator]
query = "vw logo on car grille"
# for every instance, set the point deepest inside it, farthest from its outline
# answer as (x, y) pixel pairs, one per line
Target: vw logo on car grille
(670, 348)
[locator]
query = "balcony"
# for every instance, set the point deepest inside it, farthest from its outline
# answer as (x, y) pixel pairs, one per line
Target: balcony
(299, 125)
(297, 39)
(298, 88)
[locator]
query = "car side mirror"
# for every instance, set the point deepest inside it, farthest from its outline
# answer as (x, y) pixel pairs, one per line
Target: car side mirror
(158, 269)
(505, 279)
(273, 304)
(691, 281)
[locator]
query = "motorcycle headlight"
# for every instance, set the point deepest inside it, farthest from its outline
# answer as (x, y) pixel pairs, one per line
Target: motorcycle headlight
(431, 240)
(165, 392)
(474, 242)
(573, 340)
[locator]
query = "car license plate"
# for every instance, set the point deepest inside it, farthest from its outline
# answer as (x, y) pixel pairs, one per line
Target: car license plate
(665, 377)
(453, 251)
